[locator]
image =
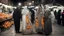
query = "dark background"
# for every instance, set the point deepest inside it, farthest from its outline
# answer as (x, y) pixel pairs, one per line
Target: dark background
(15, 2)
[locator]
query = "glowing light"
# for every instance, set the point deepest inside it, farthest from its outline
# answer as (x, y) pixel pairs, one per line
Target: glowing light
(19, 4)
(0, 3)
(30, 3)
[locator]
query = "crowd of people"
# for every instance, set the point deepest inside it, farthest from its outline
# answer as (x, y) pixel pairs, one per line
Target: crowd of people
(21, 11)
(20, 14)
(59, 16)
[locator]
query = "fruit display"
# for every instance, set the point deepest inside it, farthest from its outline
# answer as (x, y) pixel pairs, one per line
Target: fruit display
(5, 20)
(8, 24)
(12, 22)
(4, 16)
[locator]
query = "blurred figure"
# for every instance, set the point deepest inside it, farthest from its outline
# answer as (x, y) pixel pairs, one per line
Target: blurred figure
(52, 16)
(31, 9)
(63, 18)
(16, 17)
(32, 15)
(58, 17)
(55, 14)
(25, 16)
(48, 24)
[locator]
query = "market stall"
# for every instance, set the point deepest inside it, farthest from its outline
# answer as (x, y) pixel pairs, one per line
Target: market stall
(5, 21)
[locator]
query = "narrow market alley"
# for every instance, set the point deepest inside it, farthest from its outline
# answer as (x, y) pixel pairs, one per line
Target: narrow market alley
(32, 18)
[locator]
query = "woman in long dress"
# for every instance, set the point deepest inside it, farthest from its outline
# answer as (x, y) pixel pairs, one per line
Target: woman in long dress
(25, 13)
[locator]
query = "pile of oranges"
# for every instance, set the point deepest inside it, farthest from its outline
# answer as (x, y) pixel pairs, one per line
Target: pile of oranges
(7, 24)
(4, 16)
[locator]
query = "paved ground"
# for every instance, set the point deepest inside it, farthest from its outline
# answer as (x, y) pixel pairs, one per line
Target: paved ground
(57, 30)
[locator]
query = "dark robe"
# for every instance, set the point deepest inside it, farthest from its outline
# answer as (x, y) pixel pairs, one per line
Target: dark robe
(58, 17)
(32, 15)
(63, 19)
(16, 17)
(55, 13)
(48, 24)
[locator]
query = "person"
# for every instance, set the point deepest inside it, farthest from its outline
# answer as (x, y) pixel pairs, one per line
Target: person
(58, 17)
(25, 14)
(48, 24)
(32, 15)
(63, 18)
(52, 16)
(16, 17)
(31, 9)
(55, 14)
